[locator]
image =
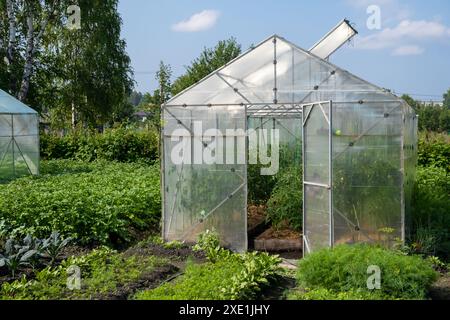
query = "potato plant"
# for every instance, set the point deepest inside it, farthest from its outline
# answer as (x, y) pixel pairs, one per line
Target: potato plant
(92, 203)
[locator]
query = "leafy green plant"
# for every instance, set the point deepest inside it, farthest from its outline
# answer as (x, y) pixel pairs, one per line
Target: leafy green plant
(54, 245)
(437, 264)
(259, 187)
(344, 268)
(103, 272)
(430, 232)
(98, 202)
(209, 243)
(226, 276)
(286, 201)
(233, 277)
(16, 256)
(3, 232)
(258, 269)
(326, 294)
(199, 282)
(434, 150)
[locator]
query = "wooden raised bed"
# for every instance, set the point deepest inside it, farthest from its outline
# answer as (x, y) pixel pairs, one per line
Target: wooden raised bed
(279, 240)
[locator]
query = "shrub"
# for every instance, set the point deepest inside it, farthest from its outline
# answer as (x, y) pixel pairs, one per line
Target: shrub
(120, 144)
(285, 204)
(259, 187)
(431, 211)
(434, 150)
(344, 269)
(96, 203)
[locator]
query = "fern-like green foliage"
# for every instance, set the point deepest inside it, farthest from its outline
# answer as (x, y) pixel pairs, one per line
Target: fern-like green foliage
(345, 269)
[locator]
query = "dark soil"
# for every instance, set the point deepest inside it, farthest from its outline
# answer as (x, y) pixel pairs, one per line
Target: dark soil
(441, 289)
(73, 251)
(291, 255)
(146, 282)
(277, 290)
(179, 254)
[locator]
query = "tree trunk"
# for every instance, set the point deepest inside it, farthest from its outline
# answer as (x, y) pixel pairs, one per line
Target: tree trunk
(12, 38)
(74, 119)
(32, 43)
(28, 68)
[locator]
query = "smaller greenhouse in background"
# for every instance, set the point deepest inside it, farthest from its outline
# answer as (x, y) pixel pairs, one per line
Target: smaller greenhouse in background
(19, 138)
(357, 143)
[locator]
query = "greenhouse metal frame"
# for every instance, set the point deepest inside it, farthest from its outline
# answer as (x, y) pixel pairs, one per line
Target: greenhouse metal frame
(359, 149)
(19, 138)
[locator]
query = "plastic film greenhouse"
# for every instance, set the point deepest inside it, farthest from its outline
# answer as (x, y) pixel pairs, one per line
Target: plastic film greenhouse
(19, 138)
(355, 141)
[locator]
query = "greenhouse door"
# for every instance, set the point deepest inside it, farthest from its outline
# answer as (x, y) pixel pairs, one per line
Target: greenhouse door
(205, 177)
(317, 182)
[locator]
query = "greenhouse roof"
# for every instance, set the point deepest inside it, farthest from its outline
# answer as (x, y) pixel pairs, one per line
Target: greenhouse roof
(278, 72)
(10, 105)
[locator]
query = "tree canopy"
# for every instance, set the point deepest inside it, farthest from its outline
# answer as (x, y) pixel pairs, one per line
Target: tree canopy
(67, 73)
(209, 60)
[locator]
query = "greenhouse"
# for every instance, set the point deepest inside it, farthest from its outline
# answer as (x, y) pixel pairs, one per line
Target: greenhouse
(19, 138)
(355, 141)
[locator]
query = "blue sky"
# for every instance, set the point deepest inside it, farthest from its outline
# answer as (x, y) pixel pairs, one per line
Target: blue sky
(409, 54)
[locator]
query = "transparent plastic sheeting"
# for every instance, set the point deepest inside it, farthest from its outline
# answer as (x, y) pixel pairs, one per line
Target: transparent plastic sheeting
(342, 33)
(200, 196)
(367, 173)
(316, 185)
(297, 76)
(19, 145)
(373, 148)
(290, 137)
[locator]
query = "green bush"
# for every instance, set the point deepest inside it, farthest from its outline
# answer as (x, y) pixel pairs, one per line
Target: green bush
(344, 269)
(431, 211)
(285, 204)
(434, 118)
(120, 144)
(99, 202)
(259, 187)
(434, 150)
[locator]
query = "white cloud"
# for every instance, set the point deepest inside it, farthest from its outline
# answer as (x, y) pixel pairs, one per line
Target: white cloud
(408, 51)
(405, 37)
(392, 11)
(198, 22)
(406, 30)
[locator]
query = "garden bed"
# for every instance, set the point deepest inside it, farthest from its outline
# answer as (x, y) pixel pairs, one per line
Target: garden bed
(276, 240)
(105, 274)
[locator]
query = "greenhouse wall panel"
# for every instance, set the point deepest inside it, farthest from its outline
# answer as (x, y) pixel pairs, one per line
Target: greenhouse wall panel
(19, 138)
